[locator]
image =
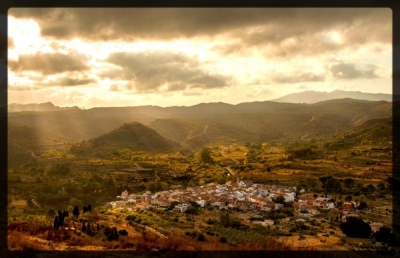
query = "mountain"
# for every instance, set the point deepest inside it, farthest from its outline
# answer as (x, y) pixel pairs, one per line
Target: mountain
(48, 106)
(316, 96)
(135, 136)
(205, 123)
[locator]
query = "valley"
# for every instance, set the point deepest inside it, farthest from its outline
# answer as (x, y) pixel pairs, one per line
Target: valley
(252, 176)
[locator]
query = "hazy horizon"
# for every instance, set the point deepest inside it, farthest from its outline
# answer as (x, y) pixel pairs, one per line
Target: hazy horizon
(189, 105)
(94, 57)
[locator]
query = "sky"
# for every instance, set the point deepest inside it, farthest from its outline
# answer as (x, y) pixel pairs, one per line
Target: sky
(111, 57)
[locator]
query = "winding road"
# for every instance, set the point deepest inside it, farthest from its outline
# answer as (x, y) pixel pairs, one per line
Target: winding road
(204, 132)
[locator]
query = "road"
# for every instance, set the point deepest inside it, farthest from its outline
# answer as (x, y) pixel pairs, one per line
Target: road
(152, 230)
(34, 202)
(204, 132)
(231, 171)
(157, 177)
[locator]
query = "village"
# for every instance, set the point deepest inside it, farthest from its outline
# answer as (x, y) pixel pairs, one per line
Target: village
(244, 196)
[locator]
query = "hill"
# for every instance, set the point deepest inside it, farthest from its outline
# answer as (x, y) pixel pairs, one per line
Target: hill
(316, 96)
(133, 136)
(377, 132)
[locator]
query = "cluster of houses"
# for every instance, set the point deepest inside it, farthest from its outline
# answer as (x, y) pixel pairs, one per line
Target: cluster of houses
(242, 194)
(313, 206)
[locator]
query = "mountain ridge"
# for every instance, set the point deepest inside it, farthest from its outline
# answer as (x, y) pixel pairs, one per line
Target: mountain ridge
(311, 97)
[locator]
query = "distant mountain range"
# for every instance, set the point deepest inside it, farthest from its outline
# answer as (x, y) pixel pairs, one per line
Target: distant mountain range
(48, 106)
(206, 123)
(316, 96)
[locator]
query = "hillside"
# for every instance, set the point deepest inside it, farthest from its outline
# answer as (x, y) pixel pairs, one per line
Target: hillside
(377, 132)
(133, 136)
(316, 96)
(22, 143)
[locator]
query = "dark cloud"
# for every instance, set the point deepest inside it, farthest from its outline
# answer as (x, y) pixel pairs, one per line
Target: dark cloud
(66, 81)
(297, 77)
(351, 71)
(151, 70)
(49, 63)
(168, 23)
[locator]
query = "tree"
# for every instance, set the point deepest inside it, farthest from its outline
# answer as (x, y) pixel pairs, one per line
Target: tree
(89, 229)
(201, 238)
(89, 208)
(370, 189)
(83, 226)
(385, 235)
(356, 227)
(205, 156)
(363, 205)
(381, 187)
(349, 183)
(56, 225)
(280, 199)
(330, 184)
(75, 211)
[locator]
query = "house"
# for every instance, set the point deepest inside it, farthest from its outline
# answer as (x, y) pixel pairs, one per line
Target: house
(289, 196)
(131, 200)
(124, 195)
(202, 203)
(182, 207)
(348, 207)
(142, 205)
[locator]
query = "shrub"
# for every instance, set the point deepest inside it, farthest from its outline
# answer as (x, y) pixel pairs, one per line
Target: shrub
(123, 232)
(201, 237)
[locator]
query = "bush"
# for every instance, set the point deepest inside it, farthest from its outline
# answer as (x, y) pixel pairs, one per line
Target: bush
(123, 232)
(223, 240)
(201, 237)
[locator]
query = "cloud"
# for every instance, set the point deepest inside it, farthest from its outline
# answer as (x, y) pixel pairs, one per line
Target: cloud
(49, 63)
(161, 70)
(168, 23)
(66, 81)
(297, 77)
(351, 71)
